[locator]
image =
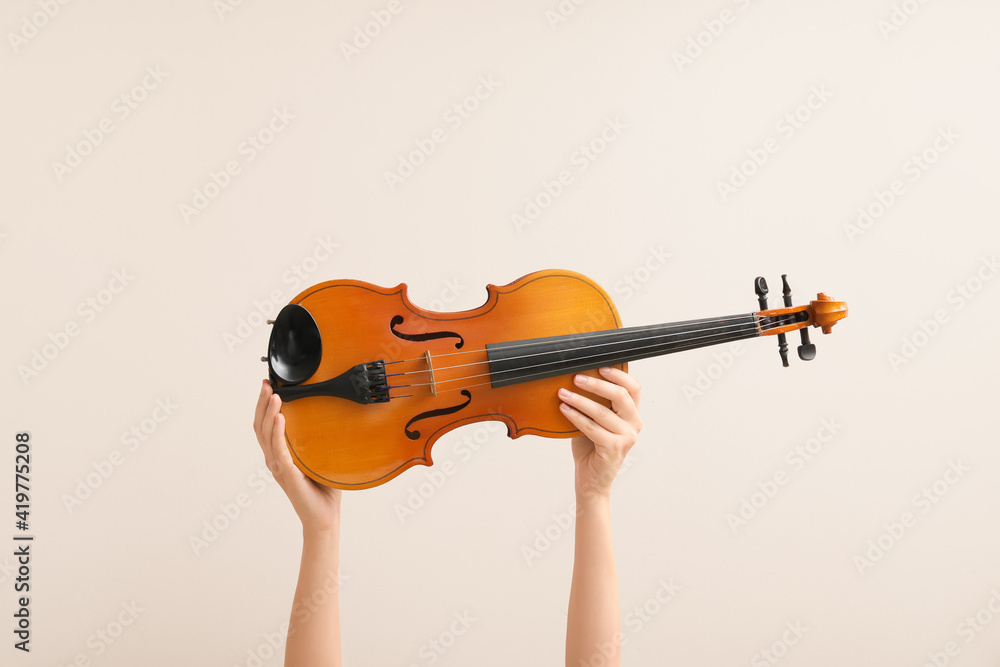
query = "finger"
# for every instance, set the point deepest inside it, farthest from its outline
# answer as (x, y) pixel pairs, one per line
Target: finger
(622, 401)
(278, 448)
(582, 422)
(620, 377)
(258, 416)
(594, 411)
(279, 452)
(267, 430)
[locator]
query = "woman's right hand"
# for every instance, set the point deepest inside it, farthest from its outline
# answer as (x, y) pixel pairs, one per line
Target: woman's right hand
(318, 506)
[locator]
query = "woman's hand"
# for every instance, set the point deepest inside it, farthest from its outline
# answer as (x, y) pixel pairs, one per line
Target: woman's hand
(318, 506)
(608, 434)
(313, 637)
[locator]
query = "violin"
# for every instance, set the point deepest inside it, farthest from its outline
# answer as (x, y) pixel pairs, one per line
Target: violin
(369, 381)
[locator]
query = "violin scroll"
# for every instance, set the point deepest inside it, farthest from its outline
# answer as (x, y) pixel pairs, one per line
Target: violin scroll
(823, 312)
(827, 312)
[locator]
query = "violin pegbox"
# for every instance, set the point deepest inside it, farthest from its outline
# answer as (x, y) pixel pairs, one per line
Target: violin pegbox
(824, 312)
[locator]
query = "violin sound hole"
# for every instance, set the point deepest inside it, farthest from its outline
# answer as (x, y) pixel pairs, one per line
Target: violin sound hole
(398, 319)
(413, 435)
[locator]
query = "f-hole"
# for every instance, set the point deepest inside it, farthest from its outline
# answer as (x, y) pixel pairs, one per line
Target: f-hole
(413, 435)
(398, 319)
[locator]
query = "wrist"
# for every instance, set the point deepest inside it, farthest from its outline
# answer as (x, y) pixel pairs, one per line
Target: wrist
(595, 485)
(588, 496)
(320, 522)
(321, 536)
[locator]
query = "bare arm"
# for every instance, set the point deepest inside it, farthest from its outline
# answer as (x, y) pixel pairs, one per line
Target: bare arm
(314, 626)
(593, 625)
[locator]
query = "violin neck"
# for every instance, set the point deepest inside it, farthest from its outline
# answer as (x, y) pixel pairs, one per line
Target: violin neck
(538, 358)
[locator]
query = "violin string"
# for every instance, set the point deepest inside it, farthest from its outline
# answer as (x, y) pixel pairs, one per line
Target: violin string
(480, 384)
(692, 341)
(548, 363)
(714, 330)
(767, 326)
(598, 334)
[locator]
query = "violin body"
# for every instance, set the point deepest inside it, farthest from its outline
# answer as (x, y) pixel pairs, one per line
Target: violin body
(350, 445)
(369, 381)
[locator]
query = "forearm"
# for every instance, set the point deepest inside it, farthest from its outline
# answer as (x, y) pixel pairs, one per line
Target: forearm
(314, 626)
(593, 625)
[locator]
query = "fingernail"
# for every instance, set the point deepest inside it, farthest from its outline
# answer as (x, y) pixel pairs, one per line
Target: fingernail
(581, 379)
(605, 370)
(564, 393)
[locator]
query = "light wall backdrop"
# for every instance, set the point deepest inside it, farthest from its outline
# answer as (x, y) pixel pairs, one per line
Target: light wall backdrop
(175, 172)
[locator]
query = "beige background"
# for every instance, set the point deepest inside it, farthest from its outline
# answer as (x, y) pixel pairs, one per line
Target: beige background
(193, 286)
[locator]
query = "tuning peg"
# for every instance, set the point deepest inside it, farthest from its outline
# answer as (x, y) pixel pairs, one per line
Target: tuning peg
(786, 294)
(760, 287)
(786, 291)
(807, 351)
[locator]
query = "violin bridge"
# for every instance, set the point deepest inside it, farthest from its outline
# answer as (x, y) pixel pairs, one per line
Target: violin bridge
(430, 372)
